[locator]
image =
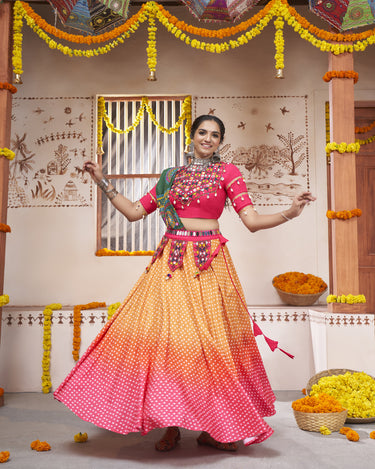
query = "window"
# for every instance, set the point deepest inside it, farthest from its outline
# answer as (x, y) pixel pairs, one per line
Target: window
(133, 163)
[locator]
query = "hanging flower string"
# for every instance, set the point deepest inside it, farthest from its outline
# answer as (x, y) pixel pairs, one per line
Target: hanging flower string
(323, 40)
(349, 299)
(5, 228)
(4, 85)
(327, 77)
(185, 114)
(77, 319)
(151, 42)
(109, 252)
(9, 154)
(279, 45)
(344, 214)
(46, 360)
(343, 147)
(366, 141)
(17, 41)
(365, 129)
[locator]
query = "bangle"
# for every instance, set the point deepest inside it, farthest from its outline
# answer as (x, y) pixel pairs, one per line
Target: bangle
(284, 216)
(103, 184)
(111, 194)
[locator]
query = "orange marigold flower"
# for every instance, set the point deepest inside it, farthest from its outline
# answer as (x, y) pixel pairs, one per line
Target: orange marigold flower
(40, 445)
(344, 430)
(304, 391)
(299, 283)
(1, 391)
(4, 456)
(323, 403)
(372, 435)
(352, 435)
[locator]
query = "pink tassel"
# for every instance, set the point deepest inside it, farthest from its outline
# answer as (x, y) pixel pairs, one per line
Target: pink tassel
(272, 343)
(256, 329)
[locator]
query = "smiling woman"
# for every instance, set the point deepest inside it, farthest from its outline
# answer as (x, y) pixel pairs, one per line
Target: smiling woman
(180, 350)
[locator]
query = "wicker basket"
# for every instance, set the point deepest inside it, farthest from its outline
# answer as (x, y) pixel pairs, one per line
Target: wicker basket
(312, 422)
(298, 300)
(331, 372)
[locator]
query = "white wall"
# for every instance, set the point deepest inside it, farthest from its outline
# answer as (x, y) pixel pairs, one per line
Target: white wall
(50, 252)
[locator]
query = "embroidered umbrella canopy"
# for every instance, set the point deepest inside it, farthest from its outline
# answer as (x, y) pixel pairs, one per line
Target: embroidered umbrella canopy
(219, 10)
(91, 16)
(345, 14)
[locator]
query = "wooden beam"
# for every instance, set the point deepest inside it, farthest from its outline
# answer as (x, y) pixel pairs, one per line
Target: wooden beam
(344, 243)
(5, 121)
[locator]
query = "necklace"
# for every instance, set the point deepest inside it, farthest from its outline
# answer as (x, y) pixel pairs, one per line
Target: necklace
(200, 162)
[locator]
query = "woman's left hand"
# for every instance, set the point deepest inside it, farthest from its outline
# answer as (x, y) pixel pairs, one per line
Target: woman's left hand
(298, 204)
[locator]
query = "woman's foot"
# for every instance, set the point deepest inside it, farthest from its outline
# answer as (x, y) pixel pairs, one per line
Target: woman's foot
(169, 440)
(207, 440)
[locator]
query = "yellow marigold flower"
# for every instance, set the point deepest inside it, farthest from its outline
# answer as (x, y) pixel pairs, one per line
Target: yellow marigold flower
(324, 430)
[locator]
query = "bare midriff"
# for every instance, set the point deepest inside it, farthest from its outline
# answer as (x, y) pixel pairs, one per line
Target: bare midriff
(200, 224)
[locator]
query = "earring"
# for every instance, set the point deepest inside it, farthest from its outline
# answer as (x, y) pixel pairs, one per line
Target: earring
(216, 156)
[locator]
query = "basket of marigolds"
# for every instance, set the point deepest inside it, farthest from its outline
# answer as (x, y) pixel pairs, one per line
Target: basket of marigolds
(354, 390)
(299, 289)
(313, 412)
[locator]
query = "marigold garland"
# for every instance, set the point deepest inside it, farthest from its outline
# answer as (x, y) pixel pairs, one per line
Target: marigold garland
(151, 48)
(354, 391)
(365, 129)
(108, 252)
(46, 360)
(366, 141)
(77, 319)
(4, 456)
(17, 40)
(344, 214)
(348, 299)
(4, 85)
(9, 154)
(299, 283)
(5, 228)
(4, 300)
(327, 77)
(343, 147)
(323, 40)
(112, 309)
(26, 10)
(185, 115)
(279, 43)
(318, 404)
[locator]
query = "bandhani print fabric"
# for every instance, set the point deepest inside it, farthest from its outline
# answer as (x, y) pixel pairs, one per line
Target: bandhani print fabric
(180, 351)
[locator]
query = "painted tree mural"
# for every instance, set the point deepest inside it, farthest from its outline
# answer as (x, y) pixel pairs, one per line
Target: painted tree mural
(290, 157)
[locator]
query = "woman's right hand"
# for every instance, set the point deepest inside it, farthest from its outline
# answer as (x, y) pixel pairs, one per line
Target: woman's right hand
(94, 170)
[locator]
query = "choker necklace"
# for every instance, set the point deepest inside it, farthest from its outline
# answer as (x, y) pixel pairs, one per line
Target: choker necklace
(200, 162)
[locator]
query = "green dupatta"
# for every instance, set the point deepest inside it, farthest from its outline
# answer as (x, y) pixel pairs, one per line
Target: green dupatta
(167, 211)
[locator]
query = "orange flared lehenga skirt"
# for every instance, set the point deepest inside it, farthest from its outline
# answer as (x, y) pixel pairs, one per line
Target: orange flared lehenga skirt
(180, 351)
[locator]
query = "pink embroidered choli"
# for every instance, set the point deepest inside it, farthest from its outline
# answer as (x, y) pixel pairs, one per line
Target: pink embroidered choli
(200, 192)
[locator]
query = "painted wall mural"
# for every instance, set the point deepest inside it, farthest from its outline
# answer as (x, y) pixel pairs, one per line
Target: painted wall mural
(51, 138)
(267, 138)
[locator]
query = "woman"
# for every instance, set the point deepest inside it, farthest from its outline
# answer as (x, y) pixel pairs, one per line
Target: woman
(180, 350)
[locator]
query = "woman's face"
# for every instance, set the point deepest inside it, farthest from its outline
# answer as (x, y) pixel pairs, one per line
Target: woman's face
(206, 139)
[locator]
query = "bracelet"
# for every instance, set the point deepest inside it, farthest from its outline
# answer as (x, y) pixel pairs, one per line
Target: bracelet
(103, 184)
(111, 194)
(284, 216)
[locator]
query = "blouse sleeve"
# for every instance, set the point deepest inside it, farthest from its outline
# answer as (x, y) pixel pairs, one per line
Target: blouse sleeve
(235, 187)
(149, 201)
